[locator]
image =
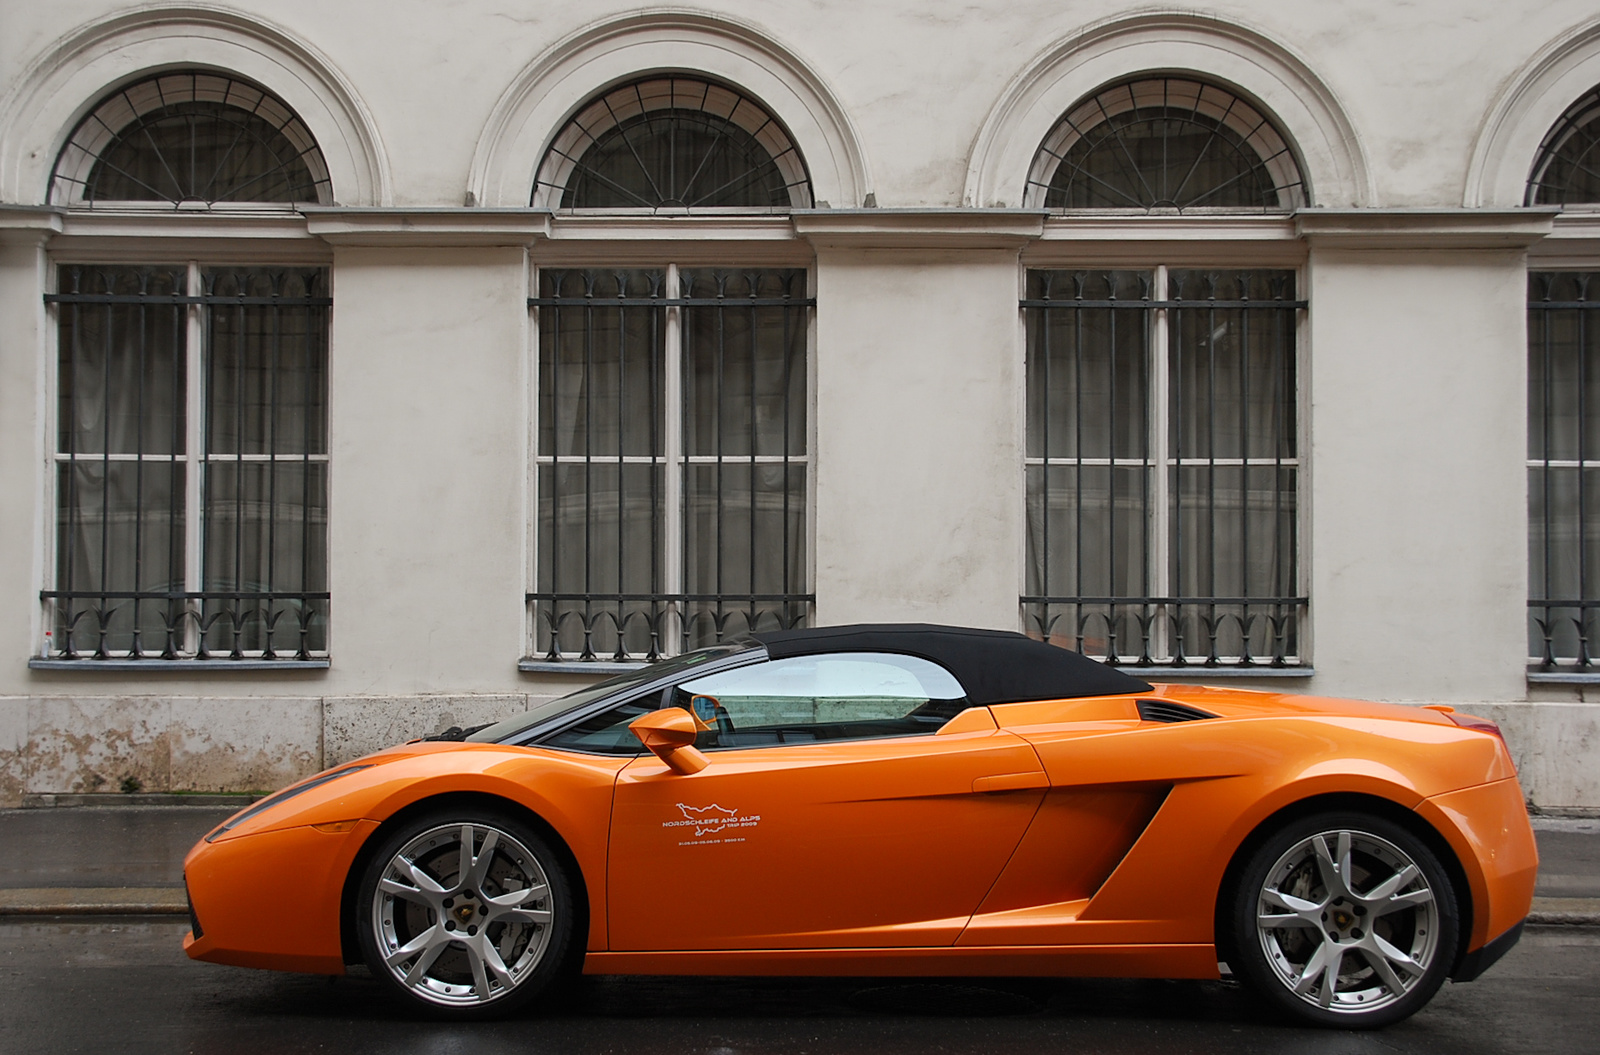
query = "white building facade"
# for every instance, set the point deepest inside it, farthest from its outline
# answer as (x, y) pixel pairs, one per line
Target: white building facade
(361, 377)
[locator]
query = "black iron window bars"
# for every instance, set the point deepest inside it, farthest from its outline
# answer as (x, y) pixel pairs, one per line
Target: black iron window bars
(671, 459)
(1563, 470)
(190, 138)
(1566, 171)
(191, 464)
(1162, 466)
(1165, 143)
(673, 142)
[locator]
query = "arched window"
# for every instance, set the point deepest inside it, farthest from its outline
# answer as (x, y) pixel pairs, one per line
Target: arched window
(1165, 143)
(1566, 170)
(190, 137)
(673, 142)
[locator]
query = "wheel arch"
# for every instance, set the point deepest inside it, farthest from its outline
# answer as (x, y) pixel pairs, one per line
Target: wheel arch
(1355, 802)
(350, 945)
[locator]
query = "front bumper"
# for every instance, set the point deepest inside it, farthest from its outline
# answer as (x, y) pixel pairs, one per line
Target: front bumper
(271, 899)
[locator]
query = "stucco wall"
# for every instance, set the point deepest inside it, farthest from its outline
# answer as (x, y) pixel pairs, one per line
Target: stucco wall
(1413, 358)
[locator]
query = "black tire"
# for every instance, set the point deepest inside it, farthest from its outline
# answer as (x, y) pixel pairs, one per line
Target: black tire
(1288, 916)
(483, 945)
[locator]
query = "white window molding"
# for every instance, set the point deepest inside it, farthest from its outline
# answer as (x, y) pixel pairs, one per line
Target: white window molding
(552, 88)
(1234, 56)
(62, 83)
(1529, 106)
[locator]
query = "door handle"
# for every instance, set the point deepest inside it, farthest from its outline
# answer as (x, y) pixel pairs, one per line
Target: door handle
(1011, 781)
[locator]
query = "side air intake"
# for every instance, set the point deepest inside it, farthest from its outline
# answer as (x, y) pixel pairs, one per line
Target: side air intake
(1167, 711)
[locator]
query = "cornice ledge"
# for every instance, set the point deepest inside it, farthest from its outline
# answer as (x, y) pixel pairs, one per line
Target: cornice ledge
(431, 227)
(1088, 227)
(920, 228)
(28, 224)
(678, 227)
(1453, 229)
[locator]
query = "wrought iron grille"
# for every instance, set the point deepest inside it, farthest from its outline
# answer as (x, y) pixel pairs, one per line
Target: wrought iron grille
(673, 142)
(1563, 463)
(671, 465)
(1162, 466)
(1165, 143)
(190, 137)
(191, 464)
(1566, 171)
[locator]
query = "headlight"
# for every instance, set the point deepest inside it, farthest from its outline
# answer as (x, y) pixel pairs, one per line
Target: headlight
(283, 796)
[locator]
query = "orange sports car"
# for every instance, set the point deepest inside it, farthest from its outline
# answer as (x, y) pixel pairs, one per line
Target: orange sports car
(894, 800)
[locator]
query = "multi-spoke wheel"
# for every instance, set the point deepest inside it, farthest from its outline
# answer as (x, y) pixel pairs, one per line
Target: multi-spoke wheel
(468, 915)
(1344, 920)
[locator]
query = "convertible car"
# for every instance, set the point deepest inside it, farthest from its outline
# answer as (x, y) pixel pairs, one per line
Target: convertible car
(894, 800)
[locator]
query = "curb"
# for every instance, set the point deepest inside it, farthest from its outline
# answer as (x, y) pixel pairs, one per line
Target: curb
(209, 800)
(1565, 911)
(94, 901)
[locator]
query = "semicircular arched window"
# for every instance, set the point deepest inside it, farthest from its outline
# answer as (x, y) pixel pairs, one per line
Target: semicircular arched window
(1165, 143)
(190, 137)
(1566, 171)
(673, 143)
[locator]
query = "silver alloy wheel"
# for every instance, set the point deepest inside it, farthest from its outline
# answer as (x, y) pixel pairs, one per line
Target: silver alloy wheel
(1347, 921)
(462, 914)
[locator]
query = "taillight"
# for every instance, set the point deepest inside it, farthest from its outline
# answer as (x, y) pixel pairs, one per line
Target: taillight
(1472, 721)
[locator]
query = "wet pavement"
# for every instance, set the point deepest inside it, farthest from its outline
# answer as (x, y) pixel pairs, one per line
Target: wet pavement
(79, 983)
(124, 985)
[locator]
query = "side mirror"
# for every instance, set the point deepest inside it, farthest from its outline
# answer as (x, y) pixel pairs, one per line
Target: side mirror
(669, 734)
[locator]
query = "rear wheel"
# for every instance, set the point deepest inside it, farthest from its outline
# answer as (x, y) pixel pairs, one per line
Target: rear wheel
(1344, 920)
(467, 914)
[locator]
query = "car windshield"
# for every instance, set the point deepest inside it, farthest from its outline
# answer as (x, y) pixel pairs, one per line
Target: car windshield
(511, 727)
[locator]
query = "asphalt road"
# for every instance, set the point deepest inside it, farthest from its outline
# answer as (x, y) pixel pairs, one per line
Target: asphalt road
(124, 986)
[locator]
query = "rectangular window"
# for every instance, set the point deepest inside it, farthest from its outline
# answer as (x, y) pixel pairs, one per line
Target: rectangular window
(1563, 469)
(671, 465)
(1163, 467)
(191, 464)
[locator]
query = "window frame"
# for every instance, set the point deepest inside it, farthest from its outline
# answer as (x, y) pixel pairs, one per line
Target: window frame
(1550, 667)
(1186, 244)
(203, 251)
(655, 247)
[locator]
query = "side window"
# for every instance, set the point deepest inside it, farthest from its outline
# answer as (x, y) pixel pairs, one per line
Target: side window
(842, 696)
(607, 733)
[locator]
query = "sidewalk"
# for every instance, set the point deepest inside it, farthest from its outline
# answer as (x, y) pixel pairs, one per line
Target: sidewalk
(128, 859)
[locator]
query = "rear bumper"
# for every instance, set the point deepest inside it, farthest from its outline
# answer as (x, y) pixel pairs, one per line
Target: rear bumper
(1474, 964)
(1488, 831)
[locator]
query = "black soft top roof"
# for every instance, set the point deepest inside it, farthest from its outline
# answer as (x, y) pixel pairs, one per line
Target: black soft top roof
(994, 666)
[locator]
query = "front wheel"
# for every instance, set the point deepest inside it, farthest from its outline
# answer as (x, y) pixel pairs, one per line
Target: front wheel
(1345, 920)
(468, 914)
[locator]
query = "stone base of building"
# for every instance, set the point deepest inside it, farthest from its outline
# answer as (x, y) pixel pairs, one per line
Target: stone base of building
(51, 745)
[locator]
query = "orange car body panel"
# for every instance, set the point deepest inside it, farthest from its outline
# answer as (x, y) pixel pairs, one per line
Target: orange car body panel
(1055, 838)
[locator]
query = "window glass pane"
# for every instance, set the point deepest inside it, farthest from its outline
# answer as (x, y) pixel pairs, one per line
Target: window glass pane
(1088, 393)
(744, 366)
(600, 367)
(1165, 143)
(599, 539)
(119, 529)
(190, 137)
(744, 534)
(845, 696)
(1567, 168)
(122, 372)
(266, 380)
(1233, 364)
(265, 547)
(673, 142)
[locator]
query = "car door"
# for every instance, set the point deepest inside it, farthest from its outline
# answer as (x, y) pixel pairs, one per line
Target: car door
(846, 804)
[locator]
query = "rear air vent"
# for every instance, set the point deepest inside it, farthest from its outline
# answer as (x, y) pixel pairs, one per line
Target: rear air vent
(1167, 711)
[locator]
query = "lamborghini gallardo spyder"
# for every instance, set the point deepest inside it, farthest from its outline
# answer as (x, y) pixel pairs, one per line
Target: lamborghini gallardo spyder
(894, 800)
